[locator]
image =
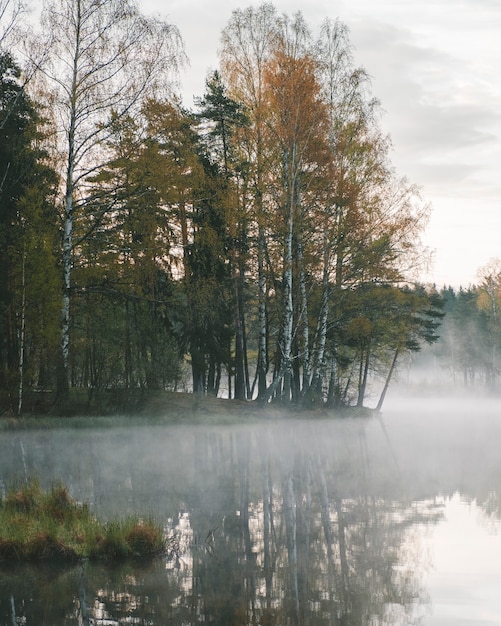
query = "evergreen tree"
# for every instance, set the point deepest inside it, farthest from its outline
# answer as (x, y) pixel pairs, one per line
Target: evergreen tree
(28, 237)
(221, 118)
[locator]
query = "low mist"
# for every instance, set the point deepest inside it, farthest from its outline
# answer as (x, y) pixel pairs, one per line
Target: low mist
(296, 519)
(423, 446)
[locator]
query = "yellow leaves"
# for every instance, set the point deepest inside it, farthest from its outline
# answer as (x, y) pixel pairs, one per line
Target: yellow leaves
(298, 115)
(489, 291)
(489, 300)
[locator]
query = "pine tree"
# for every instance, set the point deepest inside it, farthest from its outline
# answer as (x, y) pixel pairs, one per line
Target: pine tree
(28, 236)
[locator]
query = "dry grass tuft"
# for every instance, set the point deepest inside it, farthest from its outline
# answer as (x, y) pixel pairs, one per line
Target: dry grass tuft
(37, 525)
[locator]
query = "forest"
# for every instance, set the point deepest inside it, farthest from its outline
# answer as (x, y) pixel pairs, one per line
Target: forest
(258, 246)
(466, 357)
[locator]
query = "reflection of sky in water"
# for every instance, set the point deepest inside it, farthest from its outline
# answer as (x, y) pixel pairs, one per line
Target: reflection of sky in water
(464, 581)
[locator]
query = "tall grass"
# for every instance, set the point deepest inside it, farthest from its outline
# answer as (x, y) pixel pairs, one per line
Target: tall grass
(50, 525)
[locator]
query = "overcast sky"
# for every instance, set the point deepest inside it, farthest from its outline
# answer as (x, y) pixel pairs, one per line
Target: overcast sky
(436, 69)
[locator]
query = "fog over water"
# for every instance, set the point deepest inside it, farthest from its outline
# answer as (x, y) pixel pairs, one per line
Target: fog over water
(300, 521)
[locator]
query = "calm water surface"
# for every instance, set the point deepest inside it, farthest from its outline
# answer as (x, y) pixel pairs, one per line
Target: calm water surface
(352, 522)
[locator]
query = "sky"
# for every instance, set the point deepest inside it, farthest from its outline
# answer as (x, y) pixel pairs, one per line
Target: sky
(435, 67)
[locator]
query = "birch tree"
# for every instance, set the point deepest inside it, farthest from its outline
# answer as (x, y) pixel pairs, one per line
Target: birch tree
(247, 43)
(341, 87)
(105, 57)
(371, 219)
(298, 122)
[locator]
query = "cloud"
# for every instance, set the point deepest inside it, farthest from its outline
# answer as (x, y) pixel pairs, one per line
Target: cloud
(445, 123)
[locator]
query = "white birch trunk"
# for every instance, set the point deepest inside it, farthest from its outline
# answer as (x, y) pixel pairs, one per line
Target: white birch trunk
(285, 346)
(262, 360)
(68, 205)
(304, 321)
(319, 364)
(67, 266)
(288, 311)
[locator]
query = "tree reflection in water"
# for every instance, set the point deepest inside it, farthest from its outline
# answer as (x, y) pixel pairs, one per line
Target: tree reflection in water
(280, 527)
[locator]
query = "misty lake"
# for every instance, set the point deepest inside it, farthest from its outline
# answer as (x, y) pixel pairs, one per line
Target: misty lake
(290, 522)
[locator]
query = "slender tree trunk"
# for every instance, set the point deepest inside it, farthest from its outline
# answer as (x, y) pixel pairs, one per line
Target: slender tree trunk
(197, 358)
(128, 349)
(241, 309)
(364, 371)
(211, 377)
(287, 322)
(262, 354)
(103, 64)
(198, 368)
(387, 381)
(333, 393)
(288, 310)
(296, 371)
(239, 347)
(68, 227)
(65, 313)
(304, 321)
(318, 367)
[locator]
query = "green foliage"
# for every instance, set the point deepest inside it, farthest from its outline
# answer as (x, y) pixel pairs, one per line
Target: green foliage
(223, 116)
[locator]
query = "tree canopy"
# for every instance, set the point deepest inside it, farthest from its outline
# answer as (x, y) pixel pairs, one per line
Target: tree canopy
(259, 247)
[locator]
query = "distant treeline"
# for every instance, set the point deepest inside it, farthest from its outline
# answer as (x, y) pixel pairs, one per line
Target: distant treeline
(261, 242)
(468, 352)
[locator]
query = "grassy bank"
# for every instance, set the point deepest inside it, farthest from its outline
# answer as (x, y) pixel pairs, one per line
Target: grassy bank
(49, 525)
(154, 407)
(137, 407)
